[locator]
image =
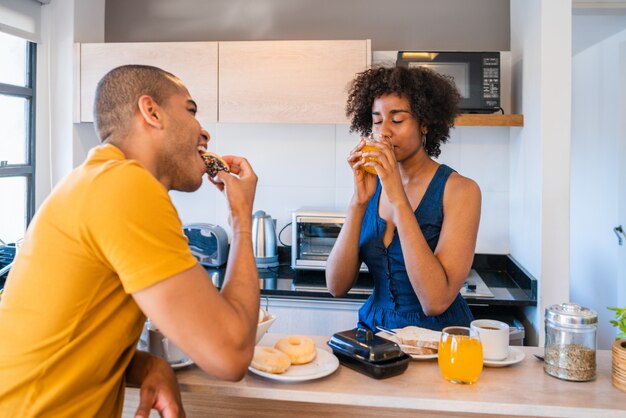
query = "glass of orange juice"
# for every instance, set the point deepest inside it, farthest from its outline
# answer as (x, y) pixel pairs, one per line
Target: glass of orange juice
(372, 137)
(460, 355)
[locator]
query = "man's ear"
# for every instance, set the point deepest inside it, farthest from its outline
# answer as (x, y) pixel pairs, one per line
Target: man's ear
(150, 111)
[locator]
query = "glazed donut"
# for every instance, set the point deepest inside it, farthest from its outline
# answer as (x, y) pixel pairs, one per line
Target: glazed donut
(300, 349)
(268, 359)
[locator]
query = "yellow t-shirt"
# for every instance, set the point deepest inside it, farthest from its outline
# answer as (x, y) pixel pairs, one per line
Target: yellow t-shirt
(68, 324)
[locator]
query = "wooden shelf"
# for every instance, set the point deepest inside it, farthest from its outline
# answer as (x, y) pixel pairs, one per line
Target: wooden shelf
(470, 119)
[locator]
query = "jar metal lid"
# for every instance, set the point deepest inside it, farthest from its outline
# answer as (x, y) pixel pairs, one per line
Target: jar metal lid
(571, 313)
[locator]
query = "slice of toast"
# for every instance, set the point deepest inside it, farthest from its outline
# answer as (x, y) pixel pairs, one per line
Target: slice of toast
(420, 351)
(418, 337)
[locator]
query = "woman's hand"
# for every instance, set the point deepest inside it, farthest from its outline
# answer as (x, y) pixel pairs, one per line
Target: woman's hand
(364, 182)
(384, 161)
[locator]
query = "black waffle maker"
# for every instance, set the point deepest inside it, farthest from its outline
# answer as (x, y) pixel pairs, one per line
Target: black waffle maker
(361, 350)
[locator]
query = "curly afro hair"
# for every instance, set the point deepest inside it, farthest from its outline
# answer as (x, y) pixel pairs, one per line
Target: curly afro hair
(433, 98)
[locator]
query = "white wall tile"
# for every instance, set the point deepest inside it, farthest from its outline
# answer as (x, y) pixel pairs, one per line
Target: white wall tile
(493, 232)
(198, 206)
(451, 150)
(283, 155)
(345, 141)
(343, 196)
(305, 165)
(485, 157)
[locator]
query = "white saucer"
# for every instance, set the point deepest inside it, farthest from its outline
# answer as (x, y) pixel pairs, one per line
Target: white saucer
(514, 357)
(182, 364)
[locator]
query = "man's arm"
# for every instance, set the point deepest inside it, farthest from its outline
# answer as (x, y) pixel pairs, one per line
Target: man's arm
(217, 330)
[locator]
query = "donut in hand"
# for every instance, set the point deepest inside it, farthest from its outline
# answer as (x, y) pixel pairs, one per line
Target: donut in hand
(214, 163)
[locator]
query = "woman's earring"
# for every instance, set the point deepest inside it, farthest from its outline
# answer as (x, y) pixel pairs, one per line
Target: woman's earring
(424, 141)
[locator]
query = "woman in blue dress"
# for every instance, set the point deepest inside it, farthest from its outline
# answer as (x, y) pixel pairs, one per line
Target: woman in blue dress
(415, 223)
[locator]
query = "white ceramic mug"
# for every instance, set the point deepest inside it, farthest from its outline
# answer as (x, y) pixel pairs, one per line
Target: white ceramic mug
(494, 336)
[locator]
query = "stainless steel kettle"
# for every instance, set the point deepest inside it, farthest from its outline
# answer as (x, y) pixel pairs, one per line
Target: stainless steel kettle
(264, 240)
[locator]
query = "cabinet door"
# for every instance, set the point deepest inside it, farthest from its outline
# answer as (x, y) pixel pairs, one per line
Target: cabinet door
(195, 63)
(288, 81)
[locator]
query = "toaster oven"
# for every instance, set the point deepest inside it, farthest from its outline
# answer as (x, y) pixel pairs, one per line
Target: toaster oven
(314, 233)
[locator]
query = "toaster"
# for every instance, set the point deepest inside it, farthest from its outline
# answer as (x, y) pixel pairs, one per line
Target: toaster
(208, 243)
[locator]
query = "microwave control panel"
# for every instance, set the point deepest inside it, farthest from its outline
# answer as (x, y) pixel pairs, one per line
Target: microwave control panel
(491, 81)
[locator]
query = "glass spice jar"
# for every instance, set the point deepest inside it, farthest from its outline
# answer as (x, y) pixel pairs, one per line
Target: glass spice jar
(571, 340)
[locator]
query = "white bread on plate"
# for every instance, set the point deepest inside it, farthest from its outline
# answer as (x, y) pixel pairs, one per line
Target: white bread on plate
(418, 337)
(420, 351)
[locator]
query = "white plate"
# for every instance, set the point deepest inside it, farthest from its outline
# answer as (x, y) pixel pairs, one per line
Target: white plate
(514, 357)
(324, 364)
(413, 356)
(182, 364)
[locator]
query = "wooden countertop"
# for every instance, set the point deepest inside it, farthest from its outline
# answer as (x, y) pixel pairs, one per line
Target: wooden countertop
(519, 390)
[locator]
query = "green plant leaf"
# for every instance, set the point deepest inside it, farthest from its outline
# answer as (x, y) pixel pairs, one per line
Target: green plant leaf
(620, 320)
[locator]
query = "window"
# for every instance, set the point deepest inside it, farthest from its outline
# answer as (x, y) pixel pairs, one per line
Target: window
(17, 136)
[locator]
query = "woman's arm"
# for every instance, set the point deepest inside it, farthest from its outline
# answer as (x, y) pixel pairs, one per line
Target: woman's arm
(342, 266)
(437, 277)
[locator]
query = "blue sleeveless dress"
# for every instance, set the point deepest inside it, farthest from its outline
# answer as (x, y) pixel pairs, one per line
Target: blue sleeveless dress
(393, 303)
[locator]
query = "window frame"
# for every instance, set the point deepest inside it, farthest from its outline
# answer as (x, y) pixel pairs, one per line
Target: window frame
(28, 92)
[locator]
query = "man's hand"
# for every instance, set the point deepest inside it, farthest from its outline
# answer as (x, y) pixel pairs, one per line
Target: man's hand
(239, 188)
(158, 386)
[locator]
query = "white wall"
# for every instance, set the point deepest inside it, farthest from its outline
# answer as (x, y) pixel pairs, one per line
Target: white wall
(598, 114)
(305, 165)
(541, 57)
(59, 20)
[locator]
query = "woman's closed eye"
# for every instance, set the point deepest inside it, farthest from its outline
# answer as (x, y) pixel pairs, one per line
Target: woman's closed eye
(397, 122)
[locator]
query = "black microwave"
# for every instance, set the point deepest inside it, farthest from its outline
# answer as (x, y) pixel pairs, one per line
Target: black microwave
(476, 75)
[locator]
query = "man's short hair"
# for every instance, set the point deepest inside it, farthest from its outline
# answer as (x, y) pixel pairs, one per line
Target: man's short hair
(118, 93)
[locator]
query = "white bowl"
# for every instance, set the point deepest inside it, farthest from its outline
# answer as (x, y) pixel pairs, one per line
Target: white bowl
(262, 327)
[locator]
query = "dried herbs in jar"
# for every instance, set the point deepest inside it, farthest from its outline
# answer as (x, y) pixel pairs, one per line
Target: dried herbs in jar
(570, 362)
(571, 339)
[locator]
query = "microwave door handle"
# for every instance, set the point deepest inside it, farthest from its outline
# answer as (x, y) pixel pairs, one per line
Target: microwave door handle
(318, 220)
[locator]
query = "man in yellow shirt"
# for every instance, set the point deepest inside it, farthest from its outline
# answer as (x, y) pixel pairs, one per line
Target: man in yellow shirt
(106, 249)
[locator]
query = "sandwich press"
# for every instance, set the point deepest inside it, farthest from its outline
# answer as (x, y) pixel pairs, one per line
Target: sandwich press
(361, 350)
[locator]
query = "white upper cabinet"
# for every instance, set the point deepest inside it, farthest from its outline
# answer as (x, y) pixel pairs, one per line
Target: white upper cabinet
(288, 81)
(195, 63)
